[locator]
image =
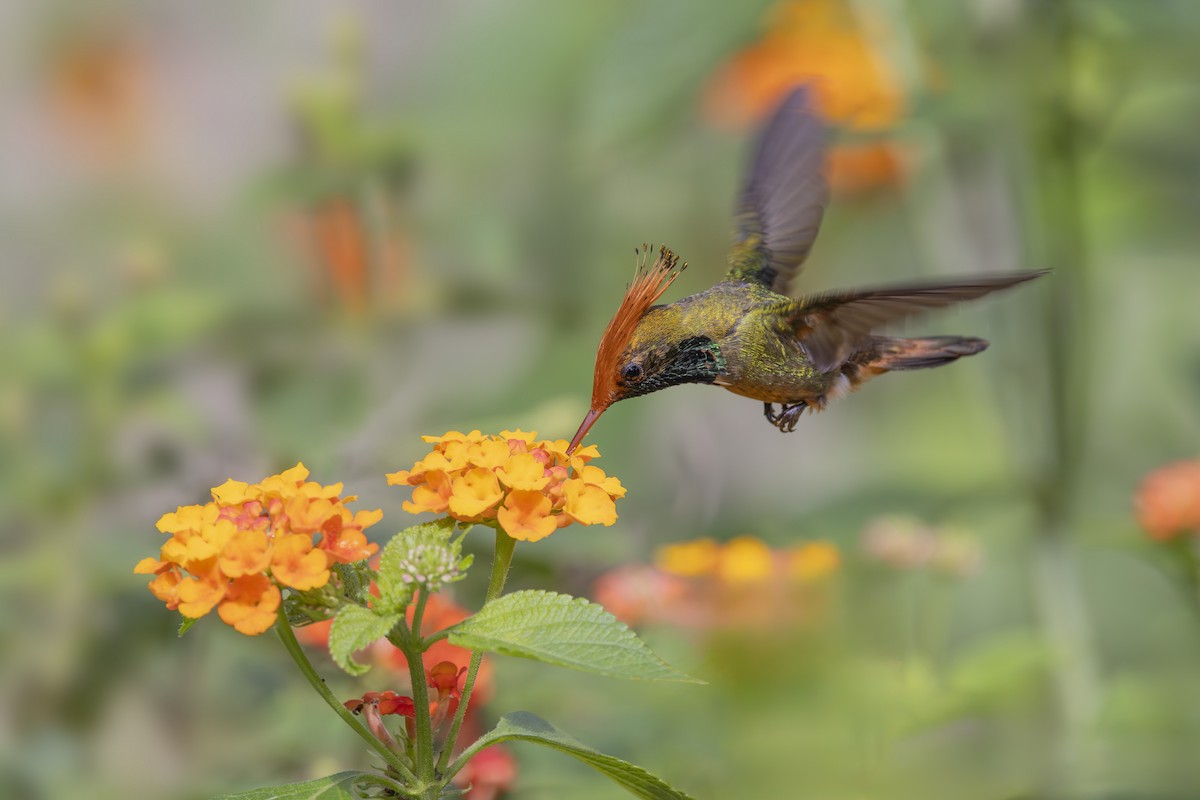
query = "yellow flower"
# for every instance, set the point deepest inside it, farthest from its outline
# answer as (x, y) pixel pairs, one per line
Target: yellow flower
(248, 552)
(231, 493)
(455, 436)
(688, 559)
(595, 476)
(489, 454)
(813, 561)
(474, 492)
(528, 437)
(294, 563)
(524, 472)
(588, 504)
(745, 560)
(525, 515)
(235, 552)
(513, 481)
(433, 495)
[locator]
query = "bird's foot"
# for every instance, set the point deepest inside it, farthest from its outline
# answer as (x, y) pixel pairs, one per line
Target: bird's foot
(769, 413)
(787, 416)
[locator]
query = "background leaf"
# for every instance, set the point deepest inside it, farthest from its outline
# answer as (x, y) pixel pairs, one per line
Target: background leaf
(353, 629)
(332, 787)
(566, 631)
(523, 726)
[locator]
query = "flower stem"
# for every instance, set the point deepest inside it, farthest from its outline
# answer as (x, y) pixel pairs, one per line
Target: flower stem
(416, 671)
(284, 629)
(505, 545)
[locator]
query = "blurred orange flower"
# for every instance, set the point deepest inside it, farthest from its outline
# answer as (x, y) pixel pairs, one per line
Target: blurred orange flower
(235, 552)
(822, 43)
(98, 88)
(1167, 503)
(490, 773)
(526, 487)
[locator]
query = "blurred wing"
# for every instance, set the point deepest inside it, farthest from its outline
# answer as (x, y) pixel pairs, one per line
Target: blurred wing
(784, 198)
(832, 325)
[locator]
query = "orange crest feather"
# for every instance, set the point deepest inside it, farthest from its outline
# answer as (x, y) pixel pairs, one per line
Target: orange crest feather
(645, 289)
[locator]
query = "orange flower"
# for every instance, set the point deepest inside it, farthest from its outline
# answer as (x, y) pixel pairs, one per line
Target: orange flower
(250, 604)
(525, 515)
(823, 43)
(490, 773)
(235, 552)
(1167, 503)
(530, 488)
(389, 703)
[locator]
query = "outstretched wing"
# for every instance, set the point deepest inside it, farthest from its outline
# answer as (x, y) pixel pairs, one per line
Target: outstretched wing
(784, 198)
(832, 325)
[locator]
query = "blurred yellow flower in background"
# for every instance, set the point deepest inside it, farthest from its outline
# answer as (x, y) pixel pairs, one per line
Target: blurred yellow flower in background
(688, 559)
(813, 561)
(529, 488)
(745, 560)
(235, 552)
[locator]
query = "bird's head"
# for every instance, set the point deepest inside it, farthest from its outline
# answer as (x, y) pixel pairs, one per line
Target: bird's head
(644, 349)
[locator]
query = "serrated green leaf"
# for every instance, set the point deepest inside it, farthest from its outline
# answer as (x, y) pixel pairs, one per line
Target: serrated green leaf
(566, 631)
(354, 628)
(342, 786)
(523, 726)
(394, 592)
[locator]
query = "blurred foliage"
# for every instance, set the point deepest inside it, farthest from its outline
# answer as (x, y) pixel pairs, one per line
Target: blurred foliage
(237, 236)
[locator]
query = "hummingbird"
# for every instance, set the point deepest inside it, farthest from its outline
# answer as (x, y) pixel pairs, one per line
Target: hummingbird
(746, 334)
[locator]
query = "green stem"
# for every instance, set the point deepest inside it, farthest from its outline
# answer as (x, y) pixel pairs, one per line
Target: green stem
(416, 671)
(436, 637)
(284, 629)
(505, 545)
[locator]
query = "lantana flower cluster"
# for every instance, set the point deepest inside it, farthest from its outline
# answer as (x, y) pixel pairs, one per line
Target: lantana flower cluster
(529, 488)
(236, 552)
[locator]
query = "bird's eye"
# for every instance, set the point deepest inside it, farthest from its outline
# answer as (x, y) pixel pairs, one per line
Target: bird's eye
(632, 373)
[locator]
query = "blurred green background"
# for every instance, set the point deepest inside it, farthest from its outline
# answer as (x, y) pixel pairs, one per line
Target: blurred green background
(236, 235)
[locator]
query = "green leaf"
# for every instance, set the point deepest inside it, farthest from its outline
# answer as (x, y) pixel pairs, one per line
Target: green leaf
(394, 592)
(523, 726)
(355, 579)
(186, 625)
(354, 628)
(342, 786)
(566, 631)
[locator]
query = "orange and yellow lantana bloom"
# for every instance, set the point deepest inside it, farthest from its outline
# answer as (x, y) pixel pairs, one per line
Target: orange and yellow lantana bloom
(527, 487)
(236, 552)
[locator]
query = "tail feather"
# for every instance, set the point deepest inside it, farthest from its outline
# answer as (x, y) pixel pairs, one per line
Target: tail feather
(887, 353)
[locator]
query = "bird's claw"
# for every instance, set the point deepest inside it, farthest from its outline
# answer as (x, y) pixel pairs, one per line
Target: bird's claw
(787, 417)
